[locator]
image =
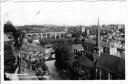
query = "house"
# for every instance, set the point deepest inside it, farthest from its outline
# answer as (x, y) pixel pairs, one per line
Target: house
(89, 45)
(78, 49)
(105, 47)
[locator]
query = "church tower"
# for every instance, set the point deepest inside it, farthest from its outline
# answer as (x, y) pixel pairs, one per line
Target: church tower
(98, 38)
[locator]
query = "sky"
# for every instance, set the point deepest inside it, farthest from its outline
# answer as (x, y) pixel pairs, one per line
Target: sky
(64, 13)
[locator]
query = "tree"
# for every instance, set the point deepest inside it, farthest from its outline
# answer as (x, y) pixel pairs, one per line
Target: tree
(18, 35)
(9, 28)
(63, 55)
(9, 56)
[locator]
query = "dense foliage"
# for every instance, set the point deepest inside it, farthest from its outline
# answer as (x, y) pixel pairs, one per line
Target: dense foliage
(9, 58)
(11, 46)
(63, 56)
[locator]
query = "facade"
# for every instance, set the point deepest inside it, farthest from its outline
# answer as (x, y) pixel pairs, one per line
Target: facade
(78, 48)
(110, 48)
(91, 49)
(105, 48)
(89, 46)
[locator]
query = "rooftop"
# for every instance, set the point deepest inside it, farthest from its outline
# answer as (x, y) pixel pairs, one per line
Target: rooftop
(91, 41)
(85, 61)
(112, 64)
(104, 44)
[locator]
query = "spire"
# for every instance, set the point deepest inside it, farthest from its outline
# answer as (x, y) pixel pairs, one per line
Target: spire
(98, 36)
(98, 22)
(98, 33)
